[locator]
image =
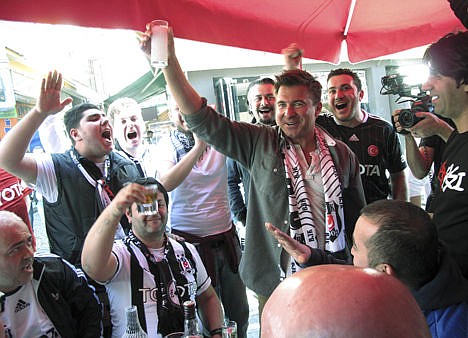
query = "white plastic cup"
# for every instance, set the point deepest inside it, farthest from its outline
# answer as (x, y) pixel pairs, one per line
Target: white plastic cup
(159, 43)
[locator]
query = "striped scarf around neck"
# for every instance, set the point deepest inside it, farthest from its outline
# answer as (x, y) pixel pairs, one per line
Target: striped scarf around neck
(302, 223)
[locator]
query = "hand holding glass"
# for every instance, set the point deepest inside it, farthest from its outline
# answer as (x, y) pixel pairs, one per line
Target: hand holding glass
(150, 206)
(159, 43)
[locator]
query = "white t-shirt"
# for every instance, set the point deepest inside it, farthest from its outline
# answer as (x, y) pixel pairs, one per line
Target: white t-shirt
(24, 316)
(199, 205)
(119, 287)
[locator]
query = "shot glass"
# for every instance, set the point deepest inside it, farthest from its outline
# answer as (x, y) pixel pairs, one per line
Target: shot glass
(229, 329)
(150, 206)
(159, 43)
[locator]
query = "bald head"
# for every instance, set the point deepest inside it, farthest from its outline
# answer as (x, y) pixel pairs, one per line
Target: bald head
(342, 301)
(10, 219)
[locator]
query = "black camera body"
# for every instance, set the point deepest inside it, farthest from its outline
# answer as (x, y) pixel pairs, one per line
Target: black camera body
(420, 102)
(408, 118)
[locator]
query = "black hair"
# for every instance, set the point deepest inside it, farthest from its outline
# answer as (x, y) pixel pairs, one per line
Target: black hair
(299, 77)
(73, 116)
(346, 71)
(449, 57)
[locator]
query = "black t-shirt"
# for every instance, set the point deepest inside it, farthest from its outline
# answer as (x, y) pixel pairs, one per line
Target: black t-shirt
(377, 148)
(450, 204)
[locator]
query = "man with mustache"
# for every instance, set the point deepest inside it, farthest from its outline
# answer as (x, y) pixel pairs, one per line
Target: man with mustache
(148, 269)
(42, 296)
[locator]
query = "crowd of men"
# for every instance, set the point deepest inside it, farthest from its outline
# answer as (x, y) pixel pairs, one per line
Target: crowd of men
(306, 204)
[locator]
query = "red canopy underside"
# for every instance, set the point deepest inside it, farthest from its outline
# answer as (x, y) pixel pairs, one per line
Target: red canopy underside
(377, 27)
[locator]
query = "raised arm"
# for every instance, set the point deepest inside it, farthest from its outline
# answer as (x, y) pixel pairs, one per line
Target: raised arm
(97, 258)
(13, 147)
(420, 158)
(172, 175)
(292, 57)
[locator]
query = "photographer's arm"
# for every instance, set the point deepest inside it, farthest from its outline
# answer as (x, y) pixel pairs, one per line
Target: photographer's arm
(419, 158)
(399, 186)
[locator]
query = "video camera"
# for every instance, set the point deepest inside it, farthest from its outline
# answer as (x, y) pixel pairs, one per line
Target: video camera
(420, 102)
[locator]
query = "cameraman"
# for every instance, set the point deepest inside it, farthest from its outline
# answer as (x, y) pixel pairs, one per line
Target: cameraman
(448, 86)
(434, 130)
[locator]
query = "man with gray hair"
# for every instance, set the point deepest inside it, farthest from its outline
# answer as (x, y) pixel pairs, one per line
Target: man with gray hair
(42, 296)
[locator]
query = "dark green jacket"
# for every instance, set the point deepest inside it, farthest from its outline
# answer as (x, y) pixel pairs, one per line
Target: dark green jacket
(258, 148)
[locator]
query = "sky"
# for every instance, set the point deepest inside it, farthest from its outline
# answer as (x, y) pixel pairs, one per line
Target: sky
(68, 49)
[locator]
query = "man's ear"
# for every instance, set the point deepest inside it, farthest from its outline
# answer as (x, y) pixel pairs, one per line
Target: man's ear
(386, 268)
(128, 213)
(75, 134)
(318, 109)
(361, 94)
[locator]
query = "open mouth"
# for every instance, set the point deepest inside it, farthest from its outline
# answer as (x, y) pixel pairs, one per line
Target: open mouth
(341, 105)
(131, 135)
(264, 110)
(106, 134)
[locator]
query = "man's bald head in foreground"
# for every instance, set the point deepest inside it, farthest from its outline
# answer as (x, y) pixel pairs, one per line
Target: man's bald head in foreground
(342, 301)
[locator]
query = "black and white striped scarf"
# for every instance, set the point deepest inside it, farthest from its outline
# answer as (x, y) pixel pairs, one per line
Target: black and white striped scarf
(302, 225)
(183, 142)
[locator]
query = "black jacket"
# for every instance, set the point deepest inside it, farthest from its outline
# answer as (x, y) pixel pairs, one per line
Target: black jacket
(67, 299)
(69, 219)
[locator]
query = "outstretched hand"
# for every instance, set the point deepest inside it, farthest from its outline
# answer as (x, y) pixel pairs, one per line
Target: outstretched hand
(300, 252)
(49, 98)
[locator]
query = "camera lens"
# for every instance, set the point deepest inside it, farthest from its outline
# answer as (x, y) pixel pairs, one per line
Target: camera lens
(406, 118)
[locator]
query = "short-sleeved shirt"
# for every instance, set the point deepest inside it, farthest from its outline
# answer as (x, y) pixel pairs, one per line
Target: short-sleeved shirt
(119, 287)
(377, 148)
(450, 204)
(199, 205)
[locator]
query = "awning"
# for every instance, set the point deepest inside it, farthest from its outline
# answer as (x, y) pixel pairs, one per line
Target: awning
(147, 86)
(370, 28)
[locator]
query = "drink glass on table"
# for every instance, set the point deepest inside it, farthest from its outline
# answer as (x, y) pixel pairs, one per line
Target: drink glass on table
(229, 329)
